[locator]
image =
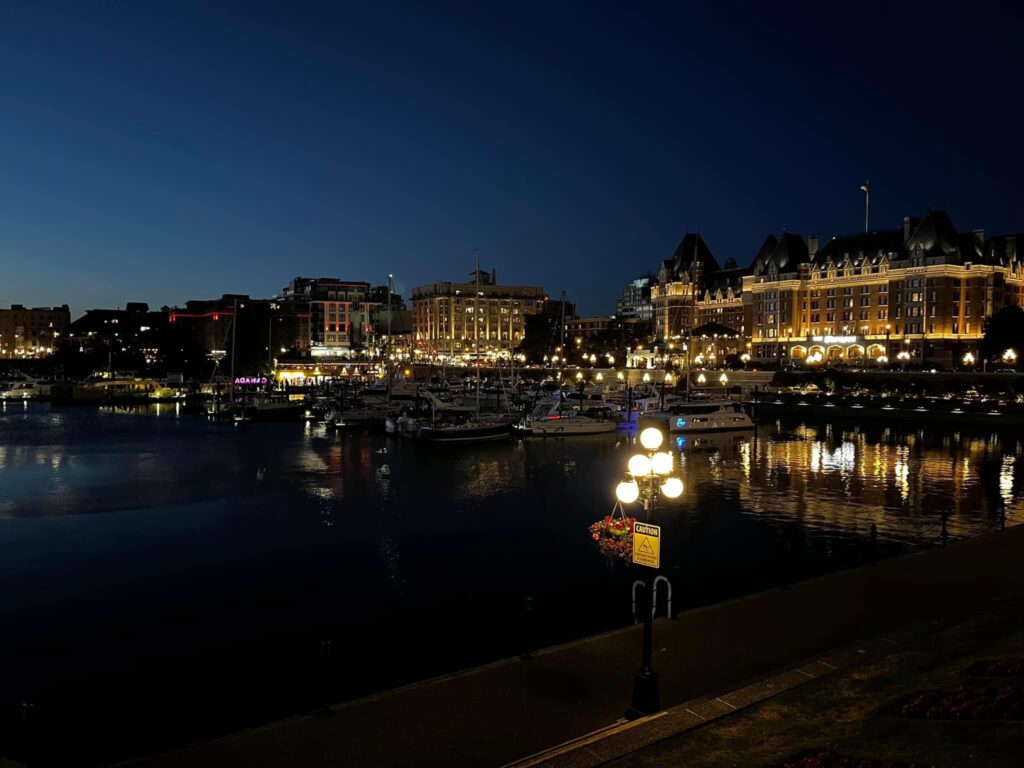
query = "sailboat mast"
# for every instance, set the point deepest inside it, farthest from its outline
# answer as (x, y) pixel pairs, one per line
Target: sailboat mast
(476, 331)
(387, 347)
(234, 336)
(563, 322)
(693, 309)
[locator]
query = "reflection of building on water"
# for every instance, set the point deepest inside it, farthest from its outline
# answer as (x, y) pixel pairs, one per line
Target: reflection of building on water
(485, 475)
(845, 479)
(1006, 478)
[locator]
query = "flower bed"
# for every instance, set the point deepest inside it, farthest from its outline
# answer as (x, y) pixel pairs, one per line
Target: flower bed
(614, 536)
(828, 759)
(968, 703)
(998, 668)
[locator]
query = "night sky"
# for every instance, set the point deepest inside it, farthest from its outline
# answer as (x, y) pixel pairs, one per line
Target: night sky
(162, 155)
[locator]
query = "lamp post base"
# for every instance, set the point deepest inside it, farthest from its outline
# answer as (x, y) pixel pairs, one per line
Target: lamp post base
(646, 696)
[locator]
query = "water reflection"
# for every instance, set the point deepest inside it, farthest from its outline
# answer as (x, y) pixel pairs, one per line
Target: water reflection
(268, 538)
(845, 479)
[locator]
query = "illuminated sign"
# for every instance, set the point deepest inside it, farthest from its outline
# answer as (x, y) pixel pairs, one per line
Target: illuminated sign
(259, 381)
(680, 422)
(834, 339)
(647, 544)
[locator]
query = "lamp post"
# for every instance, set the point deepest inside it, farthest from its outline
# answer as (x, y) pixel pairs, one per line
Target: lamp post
(650, 477)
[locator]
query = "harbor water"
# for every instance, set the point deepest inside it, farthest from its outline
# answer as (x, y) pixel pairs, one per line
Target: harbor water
(165, 578)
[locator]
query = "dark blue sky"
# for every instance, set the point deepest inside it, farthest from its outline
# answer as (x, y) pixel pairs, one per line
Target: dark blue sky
(183, 152)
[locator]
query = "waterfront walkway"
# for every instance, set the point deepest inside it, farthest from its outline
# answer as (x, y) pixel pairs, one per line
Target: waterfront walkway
(511, 709)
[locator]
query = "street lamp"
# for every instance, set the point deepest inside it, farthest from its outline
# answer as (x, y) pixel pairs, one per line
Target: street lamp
(650, 478)
(1010, 356)
(968, 359)
(701, 379)
(723, 379)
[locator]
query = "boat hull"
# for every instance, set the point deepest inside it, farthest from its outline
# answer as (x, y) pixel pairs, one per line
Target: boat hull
(465, 435)
(290, 413)
(570, 428)
(723, 423)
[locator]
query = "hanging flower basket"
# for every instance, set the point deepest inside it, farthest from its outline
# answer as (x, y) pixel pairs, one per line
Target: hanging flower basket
(613, 534)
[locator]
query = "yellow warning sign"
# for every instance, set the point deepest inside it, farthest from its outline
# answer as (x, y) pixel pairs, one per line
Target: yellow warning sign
(647, 545)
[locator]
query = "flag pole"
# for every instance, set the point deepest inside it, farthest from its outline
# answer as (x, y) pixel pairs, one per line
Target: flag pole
(866, 189)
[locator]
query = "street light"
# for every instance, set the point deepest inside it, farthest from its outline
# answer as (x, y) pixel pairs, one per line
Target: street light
(701, 379)
(650, 477)
(723, 379)
(968, 359)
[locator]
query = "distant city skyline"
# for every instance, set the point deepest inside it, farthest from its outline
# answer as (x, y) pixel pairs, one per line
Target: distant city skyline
(161, 155)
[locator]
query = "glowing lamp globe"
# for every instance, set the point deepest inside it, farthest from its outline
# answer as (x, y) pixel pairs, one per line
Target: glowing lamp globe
(672, 488)
(661, 463)
(651, 438)
(639, 466)
(627, 491)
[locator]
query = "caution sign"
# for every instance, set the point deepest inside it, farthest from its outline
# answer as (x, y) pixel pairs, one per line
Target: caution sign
(647, 545)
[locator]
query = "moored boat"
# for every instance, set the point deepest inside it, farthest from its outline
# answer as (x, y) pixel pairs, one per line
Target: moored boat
(703, 416)
(555, 419)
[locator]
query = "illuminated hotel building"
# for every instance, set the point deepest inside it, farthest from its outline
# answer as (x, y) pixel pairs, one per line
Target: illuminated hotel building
(693, 290)
(32, 331)
(923, 289)
(916, 294)
(339, 313)
(444, 313)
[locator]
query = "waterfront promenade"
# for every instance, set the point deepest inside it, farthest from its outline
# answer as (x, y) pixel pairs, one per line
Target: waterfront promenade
(508, 710)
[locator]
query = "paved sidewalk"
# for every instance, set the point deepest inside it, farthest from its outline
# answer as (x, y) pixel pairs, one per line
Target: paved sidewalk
(506, 711)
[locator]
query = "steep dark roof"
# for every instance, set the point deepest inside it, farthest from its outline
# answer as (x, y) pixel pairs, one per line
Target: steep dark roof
(861, 247)
(724, 279)
(789, 253)
(1005, 249)
(764, 253)
(934, 236)
(690, 249)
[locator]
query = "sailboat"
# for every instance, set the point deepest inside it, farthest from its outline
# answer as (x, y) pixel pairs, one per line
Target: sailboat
(217, 407)
(464, 424)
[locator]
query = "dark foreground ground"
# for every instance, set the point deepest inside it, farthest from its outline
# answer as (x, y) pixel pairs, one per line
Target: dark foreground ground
(856, 712)
(507, 711)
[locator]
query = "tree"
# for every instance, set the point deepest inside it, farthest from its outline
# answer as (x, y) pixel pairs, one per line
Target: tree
(541, 335)
(1003, 331)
